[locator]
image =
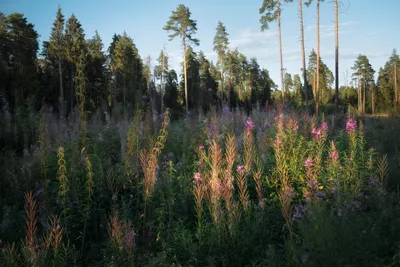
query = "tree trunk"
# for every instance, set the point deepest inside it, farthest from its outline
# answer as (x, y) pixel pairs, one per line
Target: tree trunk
(359, 96)
(162, 91)
(72, 90)
(364, 90)
(280, 49)
(185, 76)
(115, 90)
(318, 61)
(303, 53)
(124, 89)
(61, 82)
(162, 81)
(373, 101)
(336, 3)
(395, 86)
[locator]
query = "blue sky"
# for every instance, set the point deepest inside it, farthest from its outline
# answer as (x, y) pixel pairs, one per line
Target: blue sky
(366, 26)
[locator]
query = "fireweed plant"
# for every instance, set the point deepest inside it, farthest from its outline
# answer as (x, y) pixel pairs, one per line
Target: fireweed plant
(221, 189)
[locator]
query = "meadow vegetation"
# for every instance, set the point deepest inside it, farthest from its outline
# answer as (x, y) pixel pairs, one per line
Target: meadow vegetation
(278, 188)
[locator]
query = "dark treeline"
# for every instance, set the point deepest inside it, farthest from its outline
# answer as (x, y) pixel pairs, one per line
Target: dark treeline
(72, 67)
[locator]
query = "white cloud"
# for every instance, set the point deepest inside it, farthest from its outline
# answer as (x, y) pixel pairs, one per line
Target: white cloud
(329, 30)
(250, 39)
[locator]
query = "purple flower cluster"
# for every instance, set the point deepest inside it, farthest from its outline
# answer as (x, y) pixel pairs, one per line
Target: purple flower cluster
(321, 132)
(130, 239)
(324, 126)
(299, 212)
(249, 125)
(313, 190)
(288, 193)
(351, 125)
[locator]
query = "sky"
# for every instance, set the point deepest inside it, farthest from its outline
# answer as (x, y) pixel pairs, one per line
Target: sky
(365, 27)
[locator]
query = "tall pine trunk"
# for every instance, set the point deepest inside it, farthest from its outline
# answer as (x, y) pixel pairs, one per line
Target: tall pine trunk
(124, 89)
(359, 96)
(395, 85)
(373, 100)
(318, 61)
(185, 76)
(336, 3)
(61, 82)
(280, 49)
(303, 53)
(364, 93)
(72, 89)
(115, 89)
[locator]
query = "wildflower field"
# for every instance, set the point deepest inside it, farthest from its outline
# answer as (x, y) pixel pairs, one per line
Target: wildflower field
(223, 189)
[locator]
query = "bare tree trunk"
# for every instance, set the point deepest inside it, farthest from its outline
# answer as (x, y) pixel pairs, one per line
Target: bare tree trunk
(359, 96)
(336, 3)
(373, 101)
(72, 90)
(124, 89)
(395, 86)
(365, 89)
(318, 61)
(162, 81)
(315, 88)
(115, 89)
(303, 53)
(280, 48)
(61, 82)
(185, 75)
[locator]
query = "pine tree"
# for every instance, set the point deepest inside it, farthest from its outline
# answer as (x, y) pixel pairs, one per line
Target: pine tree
(180, 24)
(56, 49)
(336, 7)
(192, 78)
(364, 74)
(303, 53)
(160, 71)
(221, 43)
(317, 89)
(147, 76)
(394, 62)
(272, 11)
(288, 82)
(325, 81)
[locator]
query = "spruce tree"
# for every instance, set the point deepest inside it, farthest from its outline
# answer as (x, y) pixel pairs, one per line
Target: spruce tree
(56, 49)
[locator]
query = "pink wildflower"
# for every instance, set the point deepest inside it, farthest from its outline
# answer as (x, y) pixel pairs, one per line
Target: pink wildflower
(197, 177)
(201, 147)
(249, 125)
(308, 163)
(334, 155)
(314, 131)
(278, 141)
(351, 125)
(240, 169)
(324, 126)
